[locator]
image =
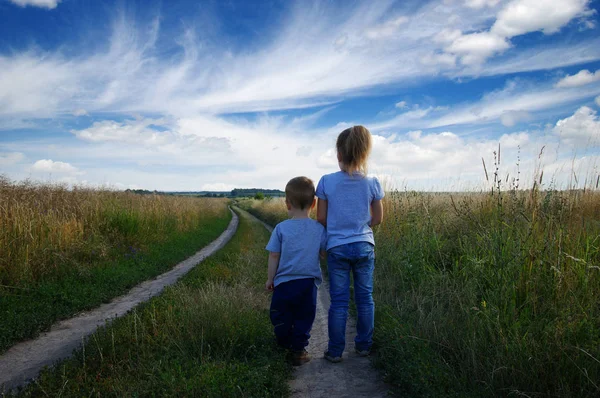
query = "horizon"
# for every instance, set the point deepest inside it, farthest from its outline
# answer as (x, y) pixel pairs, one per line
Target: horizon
(180, 96)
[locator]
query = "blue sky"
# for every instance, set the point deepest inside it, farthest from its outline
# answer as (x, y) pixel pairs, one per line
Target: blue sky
(212, 95)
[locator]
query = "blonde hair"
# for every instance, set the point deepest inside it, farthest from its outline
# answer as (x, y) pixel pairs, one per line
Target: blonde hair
(353, 147)
(300, 192)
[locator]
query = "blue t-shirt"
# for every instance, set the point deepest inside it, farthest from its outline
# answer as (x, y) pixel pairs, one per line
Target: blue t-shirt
(349, 201)
(299, 242)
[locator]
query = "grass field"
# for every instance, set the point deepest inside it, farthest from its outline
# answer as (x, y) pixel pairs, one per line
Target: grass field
(486, 294)
(208, 335)
(64, 251)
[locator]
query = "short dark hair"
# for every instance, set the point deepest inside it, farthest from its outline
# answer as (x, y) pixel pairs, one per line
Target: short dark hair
(300, 192)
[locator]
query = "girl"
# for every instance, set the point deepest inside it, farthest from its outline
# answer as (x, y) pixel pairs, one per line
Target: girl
(349, 205)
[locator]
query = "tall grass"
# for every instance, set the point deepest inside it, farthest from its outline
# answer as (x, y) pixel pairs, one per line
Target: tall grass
(272, 210)
(65, 250)
(209, 335)
(487, 294)
(502, 289)
(46, 227)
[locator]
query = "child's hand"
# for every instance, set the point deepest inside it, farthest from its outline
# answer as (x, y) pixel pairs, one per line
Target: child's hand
(269, 285)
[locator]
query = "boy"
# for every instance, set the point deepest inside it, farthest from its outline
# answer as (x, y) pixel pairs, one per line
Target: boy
(294, 272)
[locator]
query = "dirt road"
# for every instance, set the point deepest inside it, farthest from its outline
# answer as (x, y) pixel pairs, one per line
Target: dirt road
(23, 361)
(353, 377)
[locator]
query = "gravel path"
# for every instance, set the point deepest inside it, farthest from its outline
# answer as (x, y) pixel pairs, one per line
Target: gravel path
(23, 361)
(353, 377)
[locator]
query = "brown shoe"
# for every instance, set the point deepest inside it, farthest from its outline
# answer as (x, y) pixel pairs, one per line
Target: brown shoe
(298, 358)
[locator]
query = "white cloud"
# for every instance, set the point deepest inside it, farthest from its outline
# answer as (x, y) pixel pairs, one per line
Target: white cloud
(582, 128)
(445, 161)
(10, 158)
(481, 3)
(327, 160)
(423, 160)
(49, 4)
(475, 48)
(549, 16)
(386, 29)
(80, 112)
(415, 117)
(401, 105)
(516, 18)
(29, 84)
(588, 24)
(50, 166)
(304, 151)
(515, 96)
(443, 60)
(198, 141)
(447, 35)
(340, 41)
(510, 118)
(514, 140)
(206, 149)
(299, 67)
(546, 57)
(130, 131)
(321, 56)
(218, 186)
(580, 79)
(519, 101)
(430, 160)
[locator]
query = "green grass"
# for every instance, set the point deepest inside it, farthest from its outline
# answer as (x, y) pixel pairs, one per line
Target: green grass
(78, 284)
(490, 295)
(271, 211)
(208, 335)
(486, 295)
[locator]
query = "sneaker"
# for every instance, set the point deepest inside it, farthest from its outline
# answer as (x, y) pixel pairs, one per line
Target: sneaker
(298, 358)
(362, 353)
(331, 358)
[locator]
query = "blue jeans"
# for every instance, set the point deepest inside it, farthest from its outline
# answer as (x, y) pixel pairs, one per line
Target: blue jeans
(358, 257)
(293, 309)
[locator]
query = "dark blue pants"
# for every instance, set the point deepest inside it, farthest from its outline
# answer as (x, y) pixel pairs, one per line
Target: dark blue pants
(293, 309)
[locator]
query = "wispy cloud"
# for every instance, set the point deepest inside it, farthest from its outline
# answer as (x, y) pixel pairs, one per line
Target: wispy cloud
(49, 4)
(10, 158)
(580, 79)
(481, 3)
(322, 55)
(138, 117)
(515, 103)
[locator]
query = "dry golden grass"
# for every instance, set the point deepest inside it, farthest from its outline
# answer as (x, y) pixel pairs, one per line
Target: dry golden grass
(45, 226)
(271, 211)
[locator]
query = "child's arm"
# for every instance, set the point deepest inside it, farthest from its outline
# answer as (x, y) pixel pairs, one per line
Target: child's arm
(376, 213)
(322, 212)
(273, 265)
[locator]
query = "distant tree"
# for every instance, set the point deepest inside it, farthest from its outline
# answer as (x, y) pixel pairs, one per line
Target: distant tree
(259, 196)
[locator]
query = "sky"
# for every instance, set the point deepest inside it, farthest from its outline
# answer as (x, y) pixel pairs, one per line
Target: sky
(186, 95)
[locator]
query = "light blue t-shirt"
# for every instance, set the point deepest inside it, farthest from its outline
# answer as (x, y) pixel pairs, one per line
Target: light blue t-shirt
(349, 201)
(299, 242)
